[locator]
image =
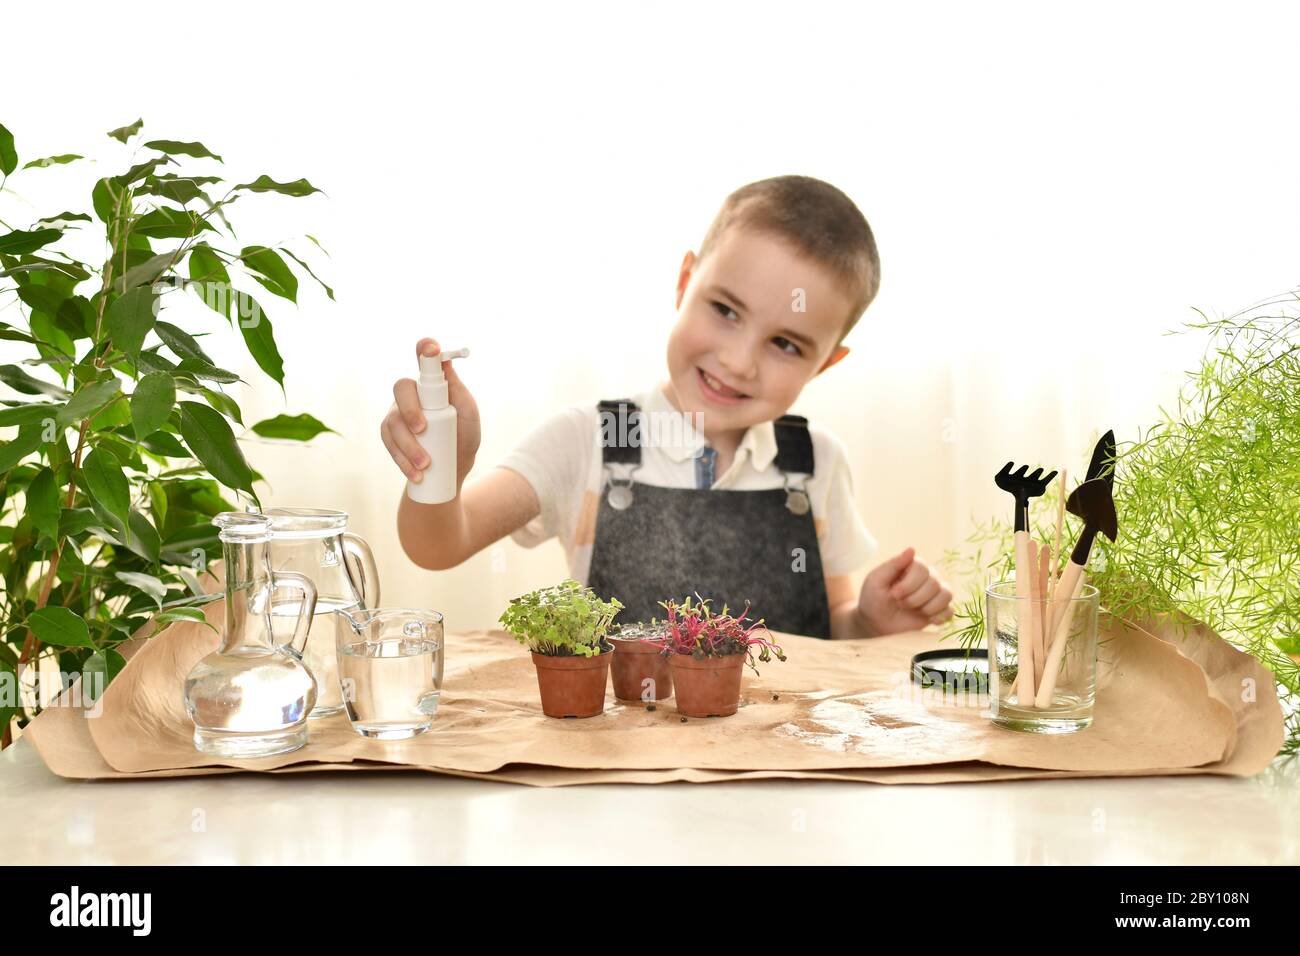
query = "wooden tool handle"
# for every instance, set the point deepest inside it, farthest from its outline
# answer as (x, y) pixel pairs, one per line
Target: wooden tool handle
(1026, 642)
(1070, 577)
(1060, 637)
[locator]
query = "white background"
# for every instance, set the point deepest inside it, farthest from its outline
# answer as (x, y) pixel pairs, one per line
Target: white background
(1052, 187)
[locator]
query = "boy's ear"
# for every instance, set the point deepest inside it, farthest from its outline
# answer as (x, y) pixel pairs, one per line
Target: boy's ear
(839, 353)
(684, 276)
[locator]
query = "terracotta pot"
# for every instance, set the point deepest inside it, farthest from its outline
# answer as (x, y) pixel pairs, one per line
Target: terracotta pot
(635, 662)
(572, 686)
(708, 687)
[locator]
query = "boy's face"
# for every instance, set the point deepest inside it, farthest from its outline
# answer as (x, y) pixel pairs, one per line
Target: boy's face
(742, 350)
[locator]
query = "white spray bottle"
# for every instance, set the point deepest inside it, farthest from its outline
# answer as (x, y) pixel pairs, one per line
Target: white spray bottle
(438, 482)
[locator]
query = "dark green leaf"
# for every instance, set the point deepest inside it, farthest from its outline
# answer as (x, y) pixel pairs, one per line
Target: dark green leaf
(269, 270)
(115, 415)
(223, 403)
(146, 272)
(109, 199)
(98, 672)
(74, 521)
(142, 537)
(260, 338)
(165, 444)
(208, 435)
(264, 184)
(43, 503)
(130, 318)
(52, 161)
(294, 427)
(122, 134)
(88, 400)
(328, 291)
(18, 242)
(171, 146)
(27, 414)
(27, 440)
(141, 170)
(67, 217)
(9, 334)
(20, 381)
(168, 223)
(206, 265)
(107, 485)
(152, 402)
(76, 317)
(150, 361)
(181, 342)
(59, 627)
(195, 536)
(8, 157)
(41, 297)
(205, 370)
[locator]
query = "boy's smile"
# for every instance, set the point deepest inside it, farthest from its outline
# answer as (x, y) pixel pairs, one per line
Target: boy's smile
(756, 322)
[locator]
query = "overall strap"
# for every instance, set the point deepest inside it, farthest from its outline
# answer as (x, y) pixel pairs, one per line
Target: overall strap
(794, 448)
(618, 416)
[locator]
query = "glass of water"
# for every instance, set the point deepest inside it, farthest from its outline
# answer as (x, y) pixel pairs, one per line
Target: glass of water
(390, 670)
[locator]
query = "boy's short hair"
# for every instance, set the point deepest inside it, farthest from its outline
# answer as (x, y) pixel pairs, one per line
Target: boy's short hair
(818, 220)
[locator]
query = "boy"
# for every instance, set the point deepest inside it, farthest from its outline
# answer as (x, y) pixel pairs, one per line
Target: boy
(743, 502)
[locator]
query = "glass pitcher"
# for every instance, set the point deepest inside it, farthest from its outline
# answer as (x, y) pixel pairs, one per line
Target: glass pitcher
(315, 542)
(251, 697)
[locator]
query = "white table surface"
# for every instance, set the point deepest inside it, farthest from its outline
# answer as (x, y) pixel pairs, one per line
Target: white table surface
(421, 818)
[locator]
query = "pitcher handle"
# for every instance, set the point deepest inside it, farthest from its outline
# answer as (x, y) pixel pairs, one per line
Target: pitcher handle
(356, 548)
(302, 627)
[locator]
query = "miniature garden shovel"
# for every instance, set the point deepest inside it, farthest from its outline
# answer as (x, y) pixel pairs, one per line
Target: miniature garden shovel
(1091, 501)
(1102, 466)
(1024, 487)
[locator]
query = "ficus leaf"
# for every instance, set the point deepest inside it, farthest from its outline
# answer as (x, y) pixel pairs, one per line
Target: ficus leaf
(152, 402)
(270, 271)
(8, 156)
(130, 318)
(168, 223)
(43, 503)
(209, 436)
(28, 439)
(19, 241)
(107, 485)
(173, 147)
(107, 197)
(52, 161)
(299, 187)
(147, 583)
(260, 338)
(89, 399)
(181, 342)
(293, 427)
(59, 627)
(98, 672)
(20, 381)
(123, 133)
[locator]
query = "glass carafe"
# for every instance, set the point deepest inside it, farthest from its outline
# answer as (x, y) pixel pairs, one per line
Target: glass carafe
(251, 697)
(316, 543)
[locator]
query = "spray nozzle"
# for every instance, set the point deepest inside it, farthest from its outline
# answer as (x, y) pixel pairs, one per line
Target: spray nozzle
(431, 365)
(432, 386)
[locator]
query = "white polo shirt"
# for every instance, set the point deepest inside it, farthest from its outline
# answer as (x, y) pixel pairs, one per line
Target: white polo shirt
(561, 459)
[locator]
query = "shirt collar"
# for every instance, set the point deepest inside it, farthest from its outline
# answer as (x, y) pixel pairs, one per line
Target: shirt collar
(759, 441)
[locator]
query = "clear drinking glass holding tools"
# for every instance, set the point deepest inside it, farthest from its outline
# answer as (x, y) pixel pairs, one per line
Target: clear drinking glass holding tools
(390, 670)
(1057, 694)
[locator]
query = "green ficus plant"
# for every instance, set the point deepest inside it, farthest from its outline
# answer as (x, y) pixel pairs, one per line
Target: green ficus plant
(564, 620)
(119, 440)
(1207, 503)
